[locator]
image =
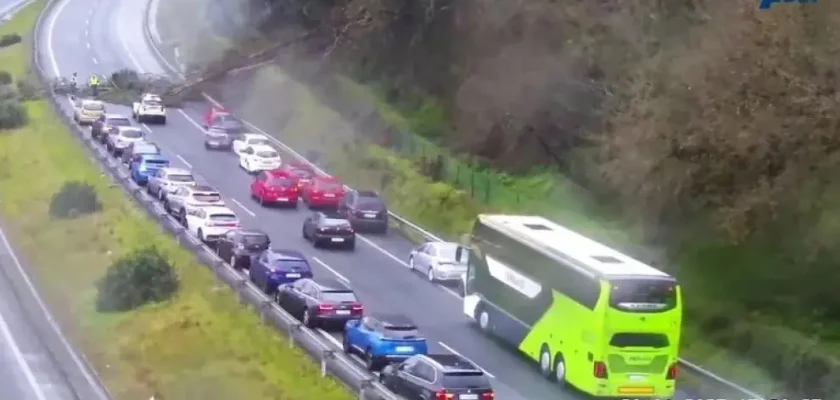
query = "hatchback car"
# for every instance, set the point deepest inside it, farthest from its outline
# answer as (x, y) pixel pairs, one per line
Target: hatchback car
(331, 228)
(438, 261)
(323, 192)
(437, 377)
(121, 137)
(254, 159)
(274, 187)
(302, 172)
(146, 165)
(248, 140)
(86, 111)
(365, 210)
(183, 197)
(217, 138)
(275, 267)
(382, 339)
(208, 224)
(166, 180)
(239, 246)
(105, 122)
(326, 304)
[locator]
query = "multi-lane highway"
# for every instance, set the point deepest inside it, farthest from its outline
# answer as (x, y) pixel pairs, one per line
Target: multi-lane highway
(99, 36)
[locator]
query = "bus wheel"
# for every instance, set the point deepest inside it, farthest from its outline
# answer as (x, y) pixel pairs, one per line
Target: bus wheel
(560, 369)
(484, 320)
(545, 363)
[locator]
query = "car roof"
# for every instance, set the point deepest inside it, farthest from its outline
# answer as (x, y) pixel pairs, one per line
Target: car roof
(263, 147)
(218, 210)
(285, 254)
(252, 232)
(279, 173)
(333, 215)
(115, 116)
(150, 96)
(176, 171)
(147, 156)
(91, 101)
(247, 136)
(394, 319)
(202, 188)
(452, 362)
(129, 128)
(145, 143)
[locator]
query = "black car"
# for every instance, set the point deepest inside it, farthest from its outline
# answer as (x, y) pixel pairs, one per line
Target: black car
(365, 210)
(239, 246)
(329, 228)
(437, 376)
(327, 304)
(218, 137)
(104, 124)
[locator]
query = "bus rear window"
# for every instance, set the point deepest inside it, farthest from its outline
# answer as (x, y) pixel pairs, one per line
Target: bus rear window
(643, 295)
(654, 340)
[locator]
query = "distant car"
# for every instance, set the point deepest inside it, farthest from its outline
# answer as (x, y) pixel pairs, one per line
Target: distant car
(239, 246)
(144, 166)
(217, 138)
(438, 261)
(259, 158)
(210, 223)
(122, 137)
(324, 304)
(383, 339)
(437, 376)
(150, 108)
(178, 201)
(329, 228)
(365, 210)
(212, 113)
(136, 149)
(220, 118)
(249, 140)
(166, 180)
(105, 122)
(86, 111)
(274, 267)
(323, 192)
(274, 187)
(302, 172)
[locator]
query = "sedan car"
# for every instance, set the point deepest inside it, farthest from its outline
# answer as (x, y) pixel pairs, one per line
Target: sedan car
(438, 261)
(219, 117)
(146, 165)
(329, 228)
(122, 137)
(259, 158)
(323, 192)
(275, 267)
(383, 339)
(136, 149)
(105, 122)
(365, 210)
(183, 197)
(248, 140)
(218, 138)
(325, 304)
(302, 172)
(239, 246)
(274, 187)
(437, 376)
(208, 224)
(166, 180)
(86, 111)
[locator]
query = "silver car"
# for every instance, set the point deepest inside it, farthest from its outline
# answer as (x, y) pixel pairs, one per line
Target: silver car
(166, 180)
(119, 139)
(438, 261)
(185, 197)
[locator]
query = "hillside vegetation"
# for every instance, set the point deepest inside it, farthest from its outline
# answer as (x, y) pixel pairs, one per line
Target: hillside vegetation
(708, 127)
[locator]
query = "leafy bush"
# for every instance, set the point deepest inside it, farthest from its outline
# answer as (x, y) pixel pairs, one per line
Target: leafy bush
(5, 78)
(8, 92)
(141, 277)
(28, 88)
(126, 79)
(10, 39)
(12, 114)
(74, 199)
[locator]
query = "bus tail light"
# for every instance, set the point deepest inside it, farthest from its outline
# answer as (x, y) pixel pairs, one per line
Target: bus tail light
(599, 370)
(672, 372)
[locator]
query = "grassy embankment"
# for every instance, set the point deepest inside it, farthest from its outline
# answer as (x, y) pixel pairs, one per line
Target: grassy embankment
(201, 345)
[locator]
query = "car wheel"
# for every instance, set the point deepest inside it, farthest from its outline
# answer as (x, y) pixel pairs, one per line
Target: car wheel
(370, 360)
(206, 146)
(163, 121)
(345, 344)
(411, 263)
(167, 208)
(148, 188)
(265, 288)
(351, 246)
(160, 194)
(431, 274)
(307, 319)
(233, 262)
(303, 233)
(182, 217)
(200, 235)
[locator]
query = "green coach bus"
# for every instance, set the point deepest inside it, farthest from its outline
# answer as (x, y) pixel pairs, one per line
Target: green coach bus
(591, 317)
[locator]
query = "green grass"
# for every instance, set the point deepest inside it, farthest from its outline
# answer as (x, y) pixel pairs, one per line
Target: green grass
(202, 344)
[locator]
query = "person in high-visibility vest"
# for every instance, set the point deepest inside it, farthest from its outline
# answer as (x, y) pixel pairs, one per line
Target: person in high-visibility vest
(93, 82)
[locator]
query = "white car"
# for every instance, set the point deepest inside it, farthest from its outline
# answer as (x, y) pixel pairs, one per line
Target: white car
(438, 261)
(259, 158)
(208, 224)
(184, 197)
(248, 140)
(149, 109)
(119, 139)
(167, 180)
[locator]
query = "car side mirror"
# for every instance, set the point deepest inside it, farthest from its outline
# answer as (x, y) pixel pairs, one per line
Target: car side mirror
(459, 254)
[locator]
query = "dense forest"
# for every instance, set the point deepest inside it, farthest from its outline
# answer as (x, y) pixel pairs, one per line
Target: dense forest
(711, 124)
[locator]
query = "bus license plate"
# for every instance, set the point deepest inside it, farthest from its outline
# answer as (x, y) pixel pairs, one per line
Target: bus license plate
(342, 312)
(405, 349)
(637, 378)
(293, 275)
(468, 397)
(370, 215)
(337, 240)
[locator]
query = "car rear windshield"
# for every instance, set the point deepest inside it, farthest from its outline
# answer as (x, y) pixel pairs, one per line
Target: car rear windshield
(267, 154)
(156, 163)
(259, 141)
(255, 240)
(299, 264)
(180, 178)
(118, 122)
(153, 103)
(94, 106)
(447, 251)
(207, 197)
(401, 331)
(302, 173)
(131, 133)
(643, 295)
(629, 339)
(465, 379)
(223, 218)
(339, 296)
(284, 182)
(329, 186)
(371, 203)
(147, 149)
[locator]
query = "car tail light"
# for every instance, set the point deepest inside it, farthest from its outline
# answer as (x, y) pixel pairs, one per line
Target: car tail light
(599, 370)
(488, 396)
(357, 308)
(443, 395)
(672, 372)
(325, 308)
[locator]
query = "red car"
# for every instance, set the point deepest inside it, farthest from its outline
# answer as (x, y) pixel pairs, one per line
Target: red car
(211, 114)
(323, 192)
(275, 187)
(303, 173)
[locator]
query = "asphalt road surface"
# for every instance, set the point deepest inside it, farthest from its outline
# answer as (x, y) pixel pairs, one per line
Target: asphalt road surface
(98, 36)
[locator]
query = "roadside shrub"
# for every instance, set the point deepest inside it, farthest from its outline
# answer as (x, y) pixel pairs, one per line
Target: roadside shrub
(5, 78)
(141, 277)
(9, 39)
(12, 114)
(28, 88)
(8, 92)
(126, 79)
(73, 200)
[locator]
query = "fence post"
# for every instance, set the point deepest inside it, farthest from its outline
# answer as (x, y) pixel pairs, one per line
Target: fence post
(326, 355)
(364, 387)
(293, 330)
(240, 290)
(265, 307)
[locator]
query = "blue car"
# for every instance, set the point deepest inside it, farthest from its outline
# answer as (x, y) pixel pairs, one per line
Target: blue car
(146, 165)
(274, 267)
(383, 339)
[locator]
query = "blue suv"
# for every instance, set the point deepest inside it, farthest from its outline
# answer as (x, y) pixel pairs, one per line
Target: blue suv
(146, 165)
(383, 339)
(274, 267)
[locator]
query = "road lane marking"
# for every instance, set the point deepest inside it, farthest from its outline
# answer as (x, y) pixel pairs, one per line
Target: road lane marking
(94, 60)
(251, 213)
(451, 350)
(331, 338)
(20, 360)
(184, 161)
(323, 264)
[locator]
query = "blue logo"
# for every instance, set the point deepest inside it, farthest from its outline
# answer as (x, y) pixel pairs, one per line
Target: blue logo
(766, 4)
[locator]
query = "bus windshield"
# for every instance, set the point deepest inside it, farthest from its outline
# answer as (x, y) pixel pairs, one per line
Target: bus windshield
(643, 295)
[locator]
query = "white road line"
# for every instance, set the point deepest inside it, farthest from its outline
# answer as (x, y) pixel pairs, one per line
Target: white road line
(451, 350)
(50, 31)
(251, 213)
(331, 338)
(192, 121)
(323, 264)
(186, 162)
(129, 53)
(21, 361)
(87, 44)
(94, 60)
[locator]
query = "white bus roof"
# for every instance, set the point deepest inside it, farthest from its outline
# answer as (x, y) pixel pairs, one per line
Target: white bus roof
(553, 239)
